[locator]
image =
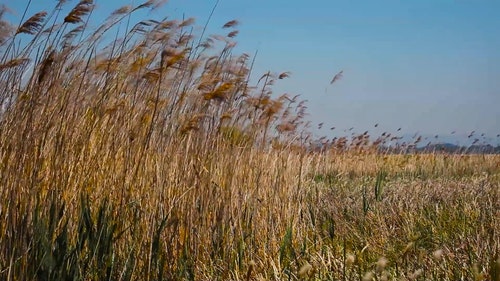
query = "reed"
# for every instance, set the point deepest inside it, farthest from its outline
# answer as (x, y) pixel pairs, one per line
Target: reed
(154, 156)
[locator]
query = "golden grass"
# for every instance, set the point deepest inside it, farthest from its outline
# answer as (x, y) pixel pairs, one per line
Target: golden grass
(153, 158)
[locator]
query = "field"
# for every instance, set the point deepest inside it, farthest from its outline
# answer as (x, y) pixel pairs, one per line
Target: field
(150, 156)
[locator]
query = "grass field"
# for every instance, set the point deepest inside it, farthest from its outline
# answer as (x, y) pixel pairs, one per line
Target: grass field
(151, 157)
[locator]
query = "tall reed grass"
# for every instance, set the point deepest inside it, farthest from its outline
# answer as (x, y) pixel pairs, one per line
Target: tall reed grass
(146, 154)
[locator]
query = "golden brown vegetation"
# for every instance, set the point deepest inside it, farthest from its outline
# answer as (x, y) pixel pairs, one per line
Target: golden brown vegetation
(152, 158)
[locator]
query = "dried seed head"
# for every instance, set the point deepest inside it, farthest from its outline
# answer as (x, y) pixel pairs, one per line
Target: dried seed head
(416, 274)
(6, 28)
(188, 22)
(81, 9)
(229, 24)
(286, 127)
(284, 75)
(33, 24)
(337, 77)
(122, 10)
(14, 63)
(384, 276)
(381, 264)
(232, 34)
(438, 254)
(46, 65)
(306, 270)
(368, 276)
(349, 260)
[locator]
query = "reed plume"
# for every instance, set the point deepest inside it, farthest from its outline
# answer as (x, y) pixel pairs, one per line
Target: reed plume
(33, 24)
(80, 10)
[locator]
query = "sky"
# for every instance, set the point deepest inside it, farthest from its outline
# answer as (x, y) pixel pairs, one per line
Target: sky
(427, 66)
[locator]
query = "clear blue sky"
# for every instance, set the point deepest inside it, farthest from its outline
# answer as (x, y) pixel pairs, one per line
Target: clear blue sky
(428, 66)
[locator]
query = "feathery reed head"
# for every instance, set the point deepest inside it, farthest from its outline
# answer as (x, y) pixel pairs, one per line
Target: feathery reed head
(33, 24)
(80, 10)
(230, 24)
(5, 27)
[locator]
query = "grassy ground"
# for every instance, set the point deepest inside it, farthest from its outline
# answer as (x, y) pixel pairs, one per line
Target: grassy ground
(152, 158)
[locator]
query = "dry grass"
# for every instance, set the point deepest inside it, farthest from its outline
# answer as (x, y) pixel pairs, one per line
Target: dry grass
(153, 158)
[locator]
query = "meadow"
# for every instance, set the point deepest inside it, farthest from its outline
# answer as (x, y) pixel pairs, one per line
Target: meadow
(148, 154)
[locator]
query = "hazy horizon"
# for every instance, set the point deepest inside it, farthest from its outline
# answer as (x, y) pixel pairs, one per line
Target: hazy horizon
(429, 66)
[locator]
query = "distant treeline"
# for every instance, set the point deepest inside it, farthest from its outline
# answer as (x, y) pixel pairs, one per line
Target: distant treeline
(445, 148)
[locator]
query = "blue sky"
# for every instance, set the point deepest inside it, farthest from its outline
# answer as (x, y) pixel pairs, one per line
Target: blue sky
(427, 66)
